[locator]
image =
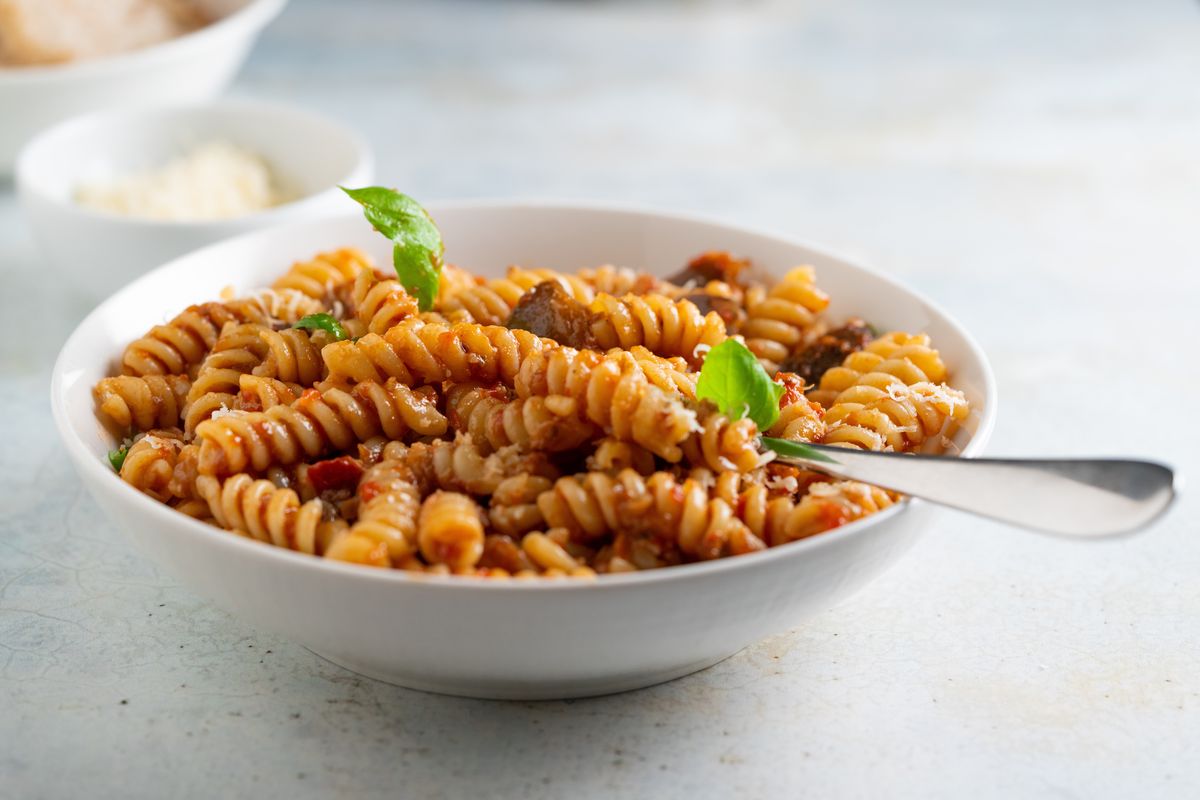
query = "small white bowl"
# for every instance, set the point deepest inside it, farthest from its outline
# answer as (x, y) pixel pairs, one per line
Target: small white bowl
(516, 639)
(99, 251)
(194, 67)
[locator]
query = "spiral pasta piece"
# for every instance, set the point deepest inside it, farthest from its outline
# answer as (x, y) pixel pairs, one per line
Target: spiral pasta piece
(386, 531)
(655, 519)
(292, 355)
(492, 302)
(196, 509)
(776, 324)
(174, 348)
(208, 405)
(359, 549)
(129, 403)
(709, 528)
(288, 306)
(619, 281)
(550, 557)
(672, 375)
(256, 393)
(460, 465)
(492, 417)
(800, 419)
(612, 392)
(450, 530)
(504, 557)
(237, 351)
(595, 504)
(316, 423)
(882, 413)
(454, 280)
(150, 463)
(721, 443)
(827, 505)
(513, 509)
(904, 356)
(380, 304)
(663, 326)
(261, 510)
(538, 554)
(182, 483)
(319, 276)
(613, 456)
(416, 352)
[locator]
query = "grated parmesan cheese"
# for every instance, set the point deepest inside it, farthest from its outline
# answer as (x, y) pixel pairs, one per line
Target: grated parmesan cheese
(787, 484)
(226, 411)
(216, 180)
(824, 489)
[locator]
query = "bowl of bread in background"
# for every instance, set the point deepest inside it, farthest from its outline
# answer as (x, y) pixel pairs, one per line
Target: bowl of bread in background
(59, 58)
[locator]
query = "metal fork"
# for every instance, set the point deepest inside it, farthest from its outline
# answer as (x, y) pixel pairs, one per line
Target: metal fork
(1082, 498)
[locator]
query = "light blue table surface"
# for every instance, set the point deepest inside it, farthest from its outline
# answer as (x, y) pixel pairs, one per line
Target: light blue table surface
(1032, 166)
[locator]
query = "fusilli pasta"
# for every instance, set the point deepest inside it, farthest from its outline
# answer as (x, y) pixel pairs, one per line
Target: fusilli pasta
(776, 323)
(238, 350)
(445, 442)
(381, 303)
(612, 392)
(150, 463)
(513, 510)
(319, 276)
(130, 404)
(386, 530)
(493, 417)
(263, 511)
(315, 424)
(450, 530)
(416, 352)
(491, 302)
(886, 414)
(780, 520)
(901, 355)
(663, 326)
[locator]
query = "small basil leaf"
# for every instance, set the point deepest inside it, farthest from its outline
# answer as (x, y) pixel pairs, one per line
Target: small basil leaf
(323, 322)
(117, 457)
(786, 447)
(733, 379)
(418, 249)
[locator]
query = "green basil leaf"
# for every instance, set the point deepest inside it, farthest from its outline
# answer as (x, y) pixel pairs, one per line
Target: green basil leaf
(786, 447)
(733, 379)
(418, 250)
(323, 322)
(117, 457)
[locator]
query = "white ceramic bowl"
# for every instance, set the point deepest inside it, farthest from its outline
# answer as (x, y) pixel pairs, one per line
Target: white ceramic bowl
(98, 251)
(490, 638)
(193, 67)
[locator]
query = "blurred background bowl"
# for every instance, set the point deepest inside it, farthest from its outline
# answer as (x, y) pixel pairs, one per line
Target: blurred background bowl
(194, 67)
(97, 251)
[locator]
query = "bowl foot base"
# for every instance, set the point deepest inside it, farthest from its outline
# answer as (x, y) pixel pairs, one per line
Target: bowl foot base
(500, 689)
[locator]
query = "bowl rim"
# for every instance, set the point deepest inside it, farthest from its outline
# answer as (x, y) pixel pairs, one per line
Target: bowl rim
(244, 547)
(252, 16)
(29, 181)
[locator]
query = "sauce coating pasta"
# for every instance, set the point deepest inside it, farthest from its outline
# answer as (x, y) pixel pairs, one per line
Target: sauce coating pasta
(448, 442)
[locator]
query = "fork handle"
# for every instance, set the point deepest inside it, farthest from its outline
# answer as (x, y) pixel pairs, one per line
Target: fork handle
(1087, 498)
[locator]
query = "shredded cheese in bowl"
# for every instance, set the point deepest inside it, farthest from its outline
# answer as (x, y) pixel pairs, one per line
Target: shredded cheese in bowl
(216, 180)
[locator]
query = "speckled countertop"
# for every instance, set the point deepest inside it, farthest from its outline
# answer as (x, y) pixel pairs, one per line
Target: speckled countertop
(1032, 166)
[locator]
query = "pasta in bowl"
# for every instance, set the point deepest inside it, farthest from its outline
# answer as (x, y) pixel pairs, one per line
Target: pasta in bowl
(531, 422)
